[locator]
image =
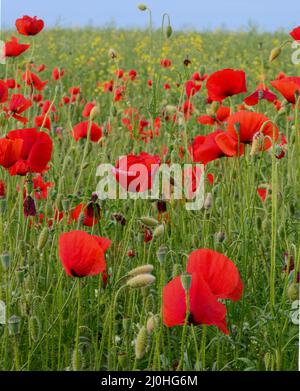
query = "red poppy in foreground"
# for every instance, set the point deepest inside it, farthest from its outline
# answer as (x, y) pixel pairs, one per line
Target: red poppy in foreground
(242, 127)
(35, 153)
(10, 152)
(29, 26)
(14, 49)
(87, 258)
(295, 33)
(288, 87)
(214, 277)
(81, 131)
(205, 149)
(135, 173)
(224, 83)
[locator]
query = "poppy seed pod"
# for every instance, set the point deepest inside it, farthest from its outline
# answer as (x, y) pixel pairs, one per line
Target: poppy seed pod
(142, 7)
(43, 238)
(186, 281)
(141, 270)
(161, 253)
(14, 325)
(208, 201)
(141, 281)
(141, 343)
(274, 54)
(5, 259)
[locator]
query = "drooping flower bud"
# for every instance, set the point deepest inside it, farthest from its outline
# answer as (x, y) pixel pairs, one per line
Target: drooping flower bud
(142, 7)
(29, 207)
(161, 253)
(274, 54)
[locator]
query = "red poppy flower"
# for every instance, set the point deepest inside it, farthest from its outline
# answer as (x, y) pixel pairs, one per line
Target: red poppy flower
(10, 152)
(132, 74)
(41, 188)
(81, 131)
(17, 105)
(91, 214)
(225, 83)
(221, 116)
(295, 33)
(43, 121)
(3, 91)
(41, 68)
(165, 63)
(205, 149)
(288, 86)
(29, 26)
(214, 277)
(260, 93)
(119, 73)
(135, 173)
(34, 81)
(262, 192)
(87, 109)
(191, 88)
(75, 90)
(249, 124)
(14, 49)
(11, 84)
(36, 151)
(57, 74)
(87, 258)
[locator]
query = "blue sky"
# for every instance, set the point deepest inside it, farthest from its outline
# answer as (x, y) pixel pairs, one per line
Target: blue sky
(269, 15)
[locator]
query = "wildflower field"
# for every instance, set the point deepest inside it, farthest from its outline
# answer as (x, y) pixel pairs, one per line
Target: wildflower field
(88, 283)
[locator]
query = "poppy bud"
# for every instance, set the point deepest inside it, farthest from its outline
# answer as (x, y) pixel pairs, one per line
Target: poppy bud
(5, 259)
(122, 360)
(161, 253)
(14, 325)
(169, 31)
(159, 231)
(186, 281)
(141, 343)
(142, 7)
(208, 201)
(94, 112)
(152, 323)
(293, 292)
(43, 238)
(149, 221)
(177, 269)
(29, 207)
(141, 281)
(141, 270)
(274, 54)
